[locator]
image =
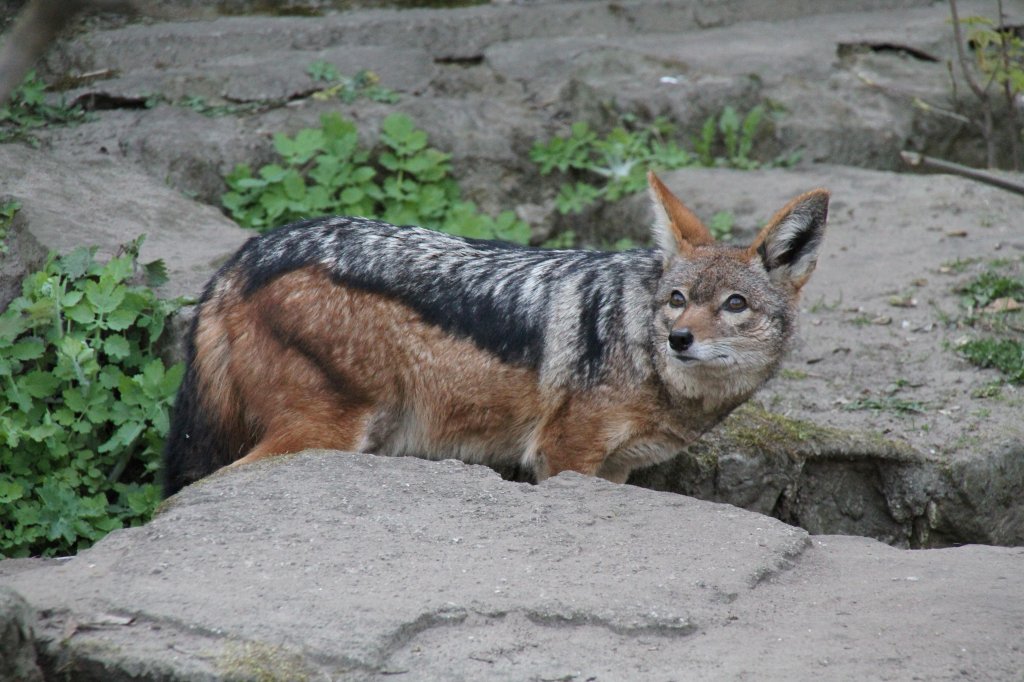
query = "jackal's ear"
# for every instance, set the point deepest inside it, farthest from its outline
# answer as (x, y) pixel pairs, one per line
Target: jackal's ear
(788, 245)
(676, 229)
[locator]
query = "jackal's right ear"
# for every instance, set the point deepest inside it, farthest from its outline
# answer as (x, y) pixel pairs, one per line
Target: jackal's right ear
(788, 245)
(676, 229)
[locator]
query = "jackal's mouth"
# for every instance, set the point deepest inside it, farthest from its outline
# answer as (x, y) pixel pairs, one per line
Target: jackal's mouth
(687, 359)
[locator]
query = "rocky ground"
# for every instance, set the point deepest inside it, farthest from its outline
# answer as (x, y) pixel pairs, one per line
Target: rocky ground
(876, 426)
(328, 567)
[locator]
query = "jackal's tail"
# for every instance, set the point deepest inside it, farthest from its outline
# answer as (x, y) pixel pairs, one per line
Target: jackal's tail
(204, 433)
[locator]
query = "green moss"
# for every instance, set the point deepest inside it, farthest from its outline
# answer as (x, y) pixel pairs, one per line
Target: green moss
(752, 426)
(260, 662)
(753, 429)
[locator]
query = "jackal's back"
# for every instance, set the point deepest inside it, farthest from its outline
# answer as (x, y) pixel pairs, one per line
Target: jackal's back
(510, 300)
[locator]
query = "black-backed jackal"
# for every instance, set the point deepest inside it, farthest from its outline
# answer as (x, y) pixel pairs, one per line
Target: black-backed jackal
(353, 334)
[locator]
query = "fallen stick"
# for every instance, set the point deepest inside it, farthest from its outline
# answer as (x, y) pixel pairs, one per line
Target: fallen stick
(916, 160)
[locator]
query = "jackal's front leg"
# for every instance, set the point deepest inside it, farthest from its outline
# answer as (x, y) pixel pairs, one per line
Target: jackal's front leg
(574, 438)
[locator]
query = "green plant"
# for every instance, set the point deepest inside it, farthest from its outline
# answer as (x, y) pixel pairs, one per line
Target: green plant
(200, 105)
(988, 287)
(721, 225)
(887, 404)
(609, 167)
(998, 62)
(612, 166)
(992, 301)
(348, 89)
(84, 402)
(28, 110)
(993, 389)
(957, 265)
(1005, 355)
(325, 171)
(8, 209)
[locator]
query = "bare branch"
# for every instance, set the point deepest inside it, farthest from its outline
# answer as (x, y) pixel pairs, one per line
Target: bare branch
(915, 160)
(1008, 93)
(980, 92)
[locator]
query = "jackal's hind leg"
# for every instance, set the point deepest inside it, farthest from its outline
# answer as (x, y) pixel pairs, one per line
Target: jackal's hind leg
(308, 428)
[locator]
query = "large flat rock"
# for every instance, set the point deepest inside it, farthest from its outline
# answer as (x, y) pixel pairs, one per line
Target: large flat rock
(338, 566)
(67, 202)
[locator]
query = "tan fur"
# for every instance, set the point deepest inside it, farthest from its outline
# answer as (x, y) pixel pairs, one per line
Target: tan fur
(688, 229)
(307, 362)
(819, 194)
(457, 392)
(379, 360)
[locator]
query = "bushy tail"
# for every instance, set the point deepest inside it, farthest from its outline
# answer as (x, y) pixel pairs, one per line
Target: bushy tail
(201, 439)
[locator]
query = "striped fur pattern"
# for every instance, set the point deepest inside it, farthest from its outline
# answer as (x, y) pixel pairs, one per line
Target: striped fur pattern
(353, 334)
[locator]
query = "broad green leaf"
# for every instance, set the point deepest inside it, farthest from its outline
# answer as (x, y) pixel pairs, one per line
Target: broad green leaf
(116, 347)
(38, 384)
(121, 319)
(156, 273)
(104, 295)
(77, 263)
(82, 313)
(27, 349)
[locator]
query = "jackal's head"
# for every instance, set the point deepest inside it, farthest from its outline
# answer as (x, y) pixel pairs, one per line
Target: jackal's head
(724, 314)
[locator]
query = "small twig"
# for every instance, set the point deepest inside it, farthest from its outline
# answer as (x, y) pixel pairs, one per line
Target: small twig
(936, 109)
(916, 160)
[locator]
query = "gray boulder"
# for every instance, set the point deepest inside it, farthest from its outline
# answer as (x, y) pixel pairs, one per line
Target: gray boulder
(67, 202)
(355, 567)
(18, 660)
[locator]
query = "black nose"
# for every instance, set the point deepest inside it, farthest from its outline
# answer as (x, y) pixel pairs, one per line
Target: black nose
(680, 339)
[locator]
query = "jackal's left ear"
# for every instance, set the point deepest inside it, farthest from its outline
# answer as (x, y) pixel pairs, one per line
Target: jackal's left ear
(676, 229)
(788, 245)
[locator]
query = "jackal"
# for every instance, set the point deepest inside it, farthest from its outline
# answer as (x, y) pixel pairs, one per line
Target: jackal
(352, 334)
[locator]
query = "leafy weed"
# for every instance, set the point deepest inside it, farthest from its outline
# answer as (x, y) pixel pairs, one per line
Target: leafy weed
(84, 402)
(325, 170)
(28, 110)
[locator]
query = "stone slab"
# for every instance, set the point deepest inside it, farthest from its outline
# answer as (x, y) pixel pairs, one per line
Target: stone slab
(68, 202)
(355, 567)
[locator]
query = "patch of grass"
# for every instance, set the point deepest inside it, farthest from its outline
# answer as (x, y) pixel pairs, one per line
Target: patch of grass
(887, 404)
(348, 89)
(822, 305)
(860, 320)
(958, 265)
(754, 427)
(614, 165)
(28, 111)
(1005, 355)
(8, 210)
(988, 299)
(993, 389)
(990, 286)
(200, 105)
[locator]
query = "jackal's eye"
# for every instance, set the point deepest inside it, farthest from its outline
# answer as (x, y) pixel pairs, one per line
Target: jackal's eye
(676, 299)
(735, 304)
